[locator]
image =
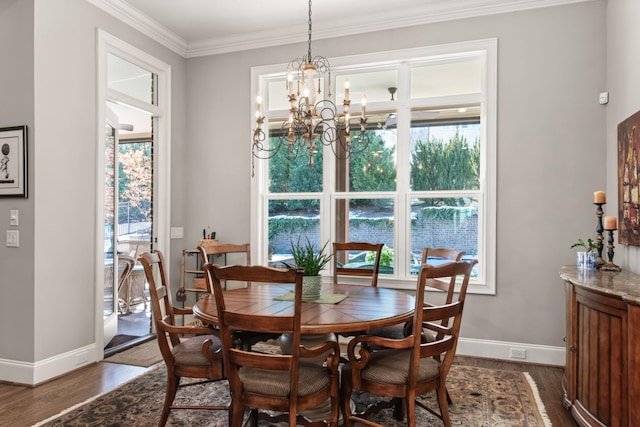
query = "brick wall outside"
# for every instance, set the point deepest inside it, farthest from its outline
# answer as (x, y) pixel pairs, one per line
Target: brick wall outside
(459, 233)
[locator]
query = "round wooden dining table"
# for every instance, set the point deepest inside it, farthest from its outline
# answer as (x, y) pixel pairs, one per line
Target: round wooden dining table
(364, 307)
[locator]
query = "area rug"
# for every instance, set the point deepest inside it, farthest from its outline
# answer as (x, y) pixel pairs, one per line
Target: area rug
(145, 355)
(482, 397)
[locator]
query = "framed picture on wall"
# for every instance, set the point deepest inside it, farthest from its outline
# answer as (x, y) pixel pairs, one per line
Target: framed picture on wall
(628, 184)
(13, 161)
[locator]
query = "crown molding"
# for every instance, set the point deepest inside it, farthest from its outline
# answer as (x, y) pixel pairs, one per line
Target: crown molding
(141, 22)
(431, 12)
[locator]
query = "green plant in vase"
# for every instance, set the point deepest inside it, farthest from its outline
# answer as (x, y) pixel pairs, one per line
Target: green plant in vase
(312, 262)
(589, 245)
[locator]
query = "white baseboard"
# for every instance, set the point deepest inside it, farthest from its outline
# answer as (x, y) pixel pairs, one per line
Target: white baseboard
(502, 350)
(34, 373)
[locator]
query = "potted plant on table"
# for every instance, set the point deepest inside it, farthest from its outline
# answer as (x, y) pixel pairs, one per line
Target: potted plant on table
(588, 257)
(306, 257)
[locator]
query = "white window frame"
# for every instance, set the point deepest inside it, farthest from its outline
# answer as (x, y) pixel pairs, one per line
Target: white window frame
(487, 50)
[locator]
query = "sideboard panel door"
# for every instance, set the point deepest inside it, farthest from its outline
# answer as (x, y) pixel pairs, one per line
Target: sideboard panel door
(602, 361)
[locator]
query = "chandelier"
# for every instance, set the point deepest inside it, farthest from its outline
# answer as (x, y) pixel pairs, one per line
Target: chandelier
(314, 120)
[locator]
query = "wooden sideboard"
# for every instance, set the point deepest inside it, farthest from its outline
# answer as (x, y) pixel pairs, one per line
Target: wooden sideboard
(602, 377)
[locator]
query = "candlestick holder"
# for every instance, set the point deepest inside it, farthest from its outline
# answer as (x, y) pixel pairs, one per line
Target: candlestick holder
(609, 265)
(599, 237)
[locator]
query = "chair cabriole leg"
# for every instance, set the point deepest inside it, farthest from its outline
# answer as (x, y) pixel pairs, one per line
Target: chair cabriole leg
(442, 403)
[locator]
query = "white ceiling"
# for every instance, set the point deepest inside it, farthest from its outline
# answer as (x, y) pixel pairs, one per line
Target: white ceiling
(205, 27)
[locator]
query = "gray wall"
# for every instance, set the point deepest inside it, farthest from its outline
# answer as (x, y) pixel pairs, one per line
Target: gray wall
(623, 84)
(16, 109)
(550, 150)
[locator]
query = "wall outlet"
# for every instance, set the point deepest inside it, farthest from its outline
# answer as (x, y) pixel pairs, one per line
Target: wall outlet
(518, 353)
(13, 239)
(177, 232)
(603, 98)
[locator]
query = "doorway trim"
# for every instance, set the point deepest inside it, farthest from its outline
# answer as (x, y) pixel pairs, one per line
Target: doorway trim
(107, 43)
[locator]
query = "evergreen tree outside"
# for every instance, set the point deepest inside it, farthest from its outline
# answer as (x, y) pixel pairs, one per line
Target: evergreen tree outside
(294, 175)
(439, 165)
(373, 169)
(436, 165)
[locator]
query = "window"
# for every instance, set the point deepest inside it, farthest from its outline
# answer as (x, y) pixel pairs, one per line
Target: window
(427, 177)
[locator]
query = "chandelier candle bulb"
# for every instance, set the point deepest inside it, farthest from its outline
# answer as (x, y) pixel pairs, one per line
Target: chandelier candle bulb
(600, 197)
(610, 223)
(364, 107)
(346, 90)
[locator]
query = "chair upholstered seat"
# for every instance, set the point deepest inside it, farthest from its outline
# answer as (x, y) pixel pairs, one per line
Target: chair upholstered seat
(313, 378)
(395, 332)
(189, 352)
(392, 367)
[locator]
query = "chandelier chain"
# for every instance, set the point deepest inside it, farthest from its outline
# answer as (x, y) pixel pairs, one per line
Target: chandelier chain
(309, 49)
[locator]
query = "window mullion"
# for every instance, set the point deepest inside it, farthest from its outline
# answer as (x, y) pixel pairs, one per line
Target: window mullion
(403, 206)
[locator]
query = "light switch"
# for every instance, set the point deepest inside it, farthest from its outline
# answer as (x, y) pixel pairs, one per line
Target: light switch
(13, 217)
(13, 238)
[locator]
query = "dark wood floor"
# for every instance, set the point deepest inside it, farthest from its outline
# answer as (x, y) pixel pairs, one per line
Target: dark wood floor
(24, 406)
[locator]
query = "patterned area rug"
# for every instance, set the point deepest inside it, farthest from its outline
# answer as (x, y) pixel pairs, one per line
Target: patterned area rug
(482, 397)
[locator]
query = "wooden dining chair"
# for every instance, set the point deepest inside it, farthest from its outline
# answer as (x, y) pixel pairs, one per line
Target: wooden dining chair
(247, 338)
(264, 383)
(199, 356)
(441, 255)
(409, 367)
(341, 265)
(343, 269)
(448, 285)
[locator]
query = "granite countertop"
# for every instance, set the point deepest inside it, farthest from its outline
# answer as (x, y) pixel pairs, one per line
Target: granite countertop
(623, 284)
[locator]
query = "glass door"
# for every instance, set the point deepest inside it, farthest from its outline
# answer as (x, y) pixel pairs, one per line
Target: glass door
(133, 178)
